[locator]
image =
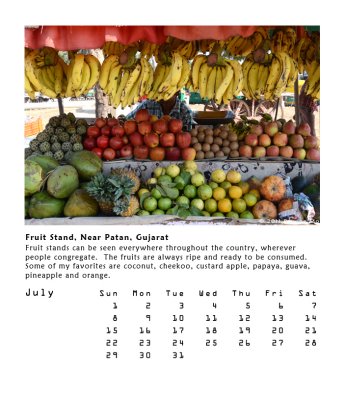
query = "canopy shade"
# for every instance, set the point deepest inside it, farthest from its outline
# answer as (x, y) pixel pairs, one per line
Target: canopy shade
(92, 37)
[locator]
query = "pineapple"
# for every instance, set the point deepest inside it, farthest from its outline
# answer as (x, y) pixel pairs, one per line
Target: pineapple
(130, 173)
(125, 204)
(132, 207)
(103, 191)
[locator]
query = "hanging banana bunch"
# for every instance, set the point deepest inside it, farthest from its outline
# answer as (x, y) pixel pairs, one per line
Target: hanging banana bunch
(147, 49)
(306, 50)
(170, 76)
(216, 78)
(313, 81)
(243, 46)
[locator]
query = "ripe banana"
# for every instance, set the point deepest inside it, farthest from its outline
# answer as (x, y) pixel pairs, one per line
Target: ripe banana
(238, 77)
(158, 77)
(285, 68)
(274, 75)
(76, 73)
(133, 78)
(95, 69)
(117, 98)
(225, 83)
(58, 77)
(85, 78)
(252, 79)
(30, 67)
(105, 70)
(202, 80)
(198, 61)
(28, 87)
(184, 74)
(210, 85)
(113, 79)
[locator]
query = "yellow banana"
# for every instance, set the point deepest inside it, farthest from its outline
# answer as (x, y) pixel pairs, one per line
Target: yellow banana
(113, 79)
(285, 72)
(105, 70)
(176, 69)
(69, 91)
(95, 69)
(273, 77)
(28, 87)
(245, 68)
(46, 78)
(133, 78)
(238, 76)
(262, 78)
(158, 77)
(225, 83)
(50, 73)
(219, 76)
(76, 72)
(198, 61)
(202, 81)
(134, 96)
(45, 89)
(30, 67)
(144, 76)
(210, 85)
(229, 92)
(313, 80)
(58, 75)
(184, 74)
(293, 73)
(117, 98)
(63, 65)
(85, 78)
(252, 79)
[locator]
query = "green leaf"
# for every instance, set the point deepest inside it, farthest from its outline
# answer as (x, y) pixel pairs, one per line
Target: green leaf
(161, 190)
(183, 213)
(195, 211)
(143, 197)
(174, 210)
(186, 176)
(169, 192)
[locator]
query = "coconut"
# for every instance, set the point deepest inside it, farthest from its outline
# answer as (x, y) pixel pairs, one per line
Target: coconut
(63, 181)
(87, 163)
(42, 205)
(80, 204)
(46, 162)
(34, 177)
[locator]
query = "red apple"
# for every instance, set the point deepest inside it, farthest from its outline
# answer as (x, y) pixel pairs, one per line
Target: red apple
(259, 151)
(118, 130)
(141, 152)
(92, 131)
(251, 139)
(175, 125)
(142, 115)
(116, 142)
(89, 143)
(130, 126)
(257, 129)
(125, 139)
(296, 141)
(299, 153)
(105, 130)
(183, 139)
(264, 140)
(272, 151)
(112, 122)
(167, 139)
(311, 142)
(289, 127)
(280, 139)
(145, 127)
(100, 122)
(157, 153)
(160, 126)
(286, 151)
(98, 151)
(151, 139)
(304, 129)
(313, 154)
(126, 151)
(136, 139)
(271, 128)
(245, 150)
(109, 154)
(172, 153)
(102, 141)
(188, 154)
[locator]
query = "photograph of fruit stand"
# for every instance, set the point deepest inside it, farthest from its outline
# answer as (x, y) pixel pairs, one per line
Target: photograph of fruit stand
(172, 125)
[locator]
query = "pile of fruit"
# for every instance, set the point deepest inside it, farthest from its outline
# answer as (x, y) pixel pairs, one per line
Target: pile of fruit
(61, 136)
(183, 190)
(158, 139)
(279, 139)
(217, 142)
(78, 188)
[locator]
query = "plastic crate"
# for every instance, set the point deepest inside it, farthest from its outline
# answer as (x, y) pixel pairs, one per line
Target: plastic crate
(33, 127)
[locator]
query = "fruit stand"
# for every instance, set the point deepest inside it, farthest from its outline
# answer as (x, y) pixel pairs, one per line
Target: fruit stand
(158, 168)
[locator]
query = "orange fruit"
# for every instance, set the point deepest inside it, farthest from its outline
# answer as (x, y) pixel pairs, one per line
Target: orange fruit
(224, 205)
(235, 192)
(219, 193)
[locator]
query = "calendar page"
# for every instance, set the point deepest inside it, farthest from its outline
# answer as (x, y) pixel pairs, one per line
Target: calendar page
(173, 311)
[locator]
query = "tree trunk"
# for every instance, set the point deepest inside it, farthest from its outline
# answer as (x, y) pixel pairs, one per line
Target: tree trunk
(103, 108)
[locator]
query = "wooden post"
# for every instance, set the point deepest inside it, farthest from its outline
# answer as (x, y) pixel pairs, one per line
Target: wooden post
(61, 111)
(296, 95)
